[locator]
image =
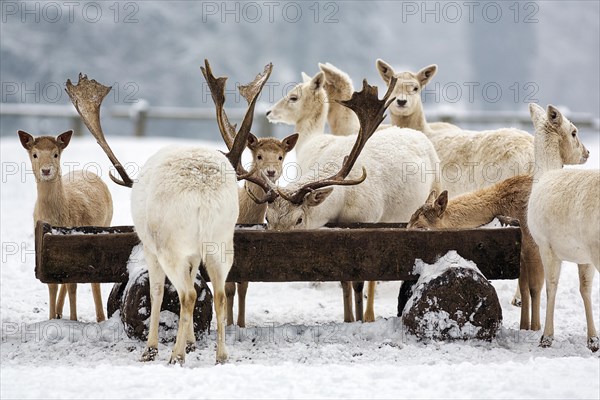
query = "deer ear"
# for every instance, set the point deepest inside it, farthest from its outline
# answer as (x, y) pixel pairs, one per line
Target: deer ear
(334, 75)
(554, 116)
(385, 70)
(431, 198)
(305, 77)
(425, 75)
(252, 141)
(317, 197)
(26, 139)
(537, 114)
(290, 141)
(441, 202)
(63, 139)
(317, 81)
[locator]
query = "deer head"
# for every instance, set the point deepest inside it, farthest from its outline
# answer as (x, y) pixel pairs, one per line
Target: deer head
(44, 154)
(431, 214)
(407, 90)
(295, 208)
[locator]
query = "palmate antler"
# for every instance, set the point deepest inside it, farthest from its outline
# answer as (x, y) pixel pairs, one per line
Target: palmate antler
(87, 96)
(237, 142)
(370, 111)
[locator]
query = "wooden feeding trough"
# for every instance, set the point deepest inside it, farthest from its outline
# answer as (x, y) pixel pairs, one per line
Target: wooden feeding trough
(346, 252)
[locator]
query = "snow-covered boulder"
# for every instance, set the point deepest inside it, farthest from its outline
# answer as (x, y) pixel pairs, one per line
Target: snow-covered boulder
(452, 300)
(132, 299)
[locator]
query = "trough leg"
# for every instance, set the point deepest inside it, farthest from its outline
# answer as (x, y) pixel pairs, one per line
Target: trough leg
(586, 280)
(242, 290)
(358, 299)
(370, 311)
(52, 292)
(72, 289)
(230, 294)
(347, 295)
(100, 316)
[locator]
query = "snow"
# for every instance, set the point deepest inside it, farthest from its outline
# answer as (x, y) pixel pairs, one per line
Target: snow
(295, 345)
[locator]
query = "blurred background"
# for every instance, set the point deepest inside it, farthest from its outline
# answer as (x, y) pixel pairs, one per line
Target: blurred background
(493, 58)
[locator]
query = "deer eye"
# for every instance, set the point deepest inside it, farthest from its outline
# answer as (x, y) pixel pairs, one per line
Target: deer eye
(34, 155)
(293, 98)
(280, 158)
(415, 89)
(56, 155)
(299, 221)
(574, 133)
(259, 157)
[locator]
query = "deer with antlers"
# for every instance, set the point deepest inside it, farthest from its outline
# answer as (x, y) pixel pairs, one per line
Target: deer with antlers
(401, 167)
(184, 207)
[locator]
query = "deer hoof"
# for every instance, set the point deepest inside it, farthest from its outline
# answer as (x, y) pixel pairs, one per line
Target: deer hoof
(190, 348)
(516, 302)
(149, 354)
(593, 344)
(177, 359)
(546, 341)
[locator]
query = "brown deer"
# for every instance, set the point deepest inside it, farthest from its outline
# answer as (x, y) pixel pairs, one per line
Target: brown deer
(507, 198)
(74, 199)
(268, 155)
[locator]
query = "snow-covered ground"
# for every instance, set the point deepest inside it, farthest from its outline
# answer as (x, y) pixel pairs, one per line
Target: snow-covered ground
(295, 345)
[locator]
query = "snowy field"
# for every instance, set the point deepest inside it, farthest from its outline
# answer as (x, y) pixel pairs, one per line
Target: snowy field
(295, 345)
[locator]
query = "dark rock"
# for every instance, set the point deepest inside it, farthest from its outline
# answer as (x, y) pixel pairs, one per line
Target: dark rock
(133, 300)
(453, 300)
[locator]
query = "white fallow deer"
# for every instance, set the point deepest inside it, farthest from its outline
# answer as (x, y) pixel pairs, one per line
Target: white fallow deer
(75, 199)
(401, 166)
(564, 213)
(268, 155)
(184, 203)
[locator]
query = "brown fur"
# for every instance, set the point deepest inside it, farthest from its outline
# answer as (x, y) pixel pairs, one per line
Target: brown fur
(76, 199)
(470, 210)
(268, 154)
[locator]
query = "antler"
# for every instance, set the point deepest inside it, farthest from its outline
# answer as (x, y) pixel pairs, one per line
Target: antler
(369, 110)
(87, 98)
(237, 142)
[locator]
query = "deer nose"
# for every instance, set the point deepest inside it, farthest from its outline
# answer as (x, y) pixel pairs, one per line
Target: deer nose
(271, 173)
(45, 171)
(268, 112)
(401, 103)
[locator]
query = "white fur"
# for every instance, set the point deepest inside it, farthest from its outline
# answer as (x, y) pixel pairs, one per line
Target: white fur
(563, 212)
(470, 160)
(184, 208)
(396, 160)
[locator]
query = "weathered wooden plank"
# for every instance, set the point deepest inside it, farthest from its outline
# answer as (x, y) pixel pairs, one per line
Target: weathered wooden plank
(351, 252)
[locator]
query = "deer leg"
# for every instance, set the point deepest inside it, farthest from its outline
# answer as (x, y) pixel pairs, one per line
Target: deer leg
(523, 289)
(52, 292)
(60, 301)
(552, 273)
(180, 277)
(242, 290)
(358, 299)
(157, 286)
(536, 283)
(72, 290)
(370, 311)
(347, 295)
(230, 293)
(586, 280)
(517, 300)
(218, 267)
(97, 294)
